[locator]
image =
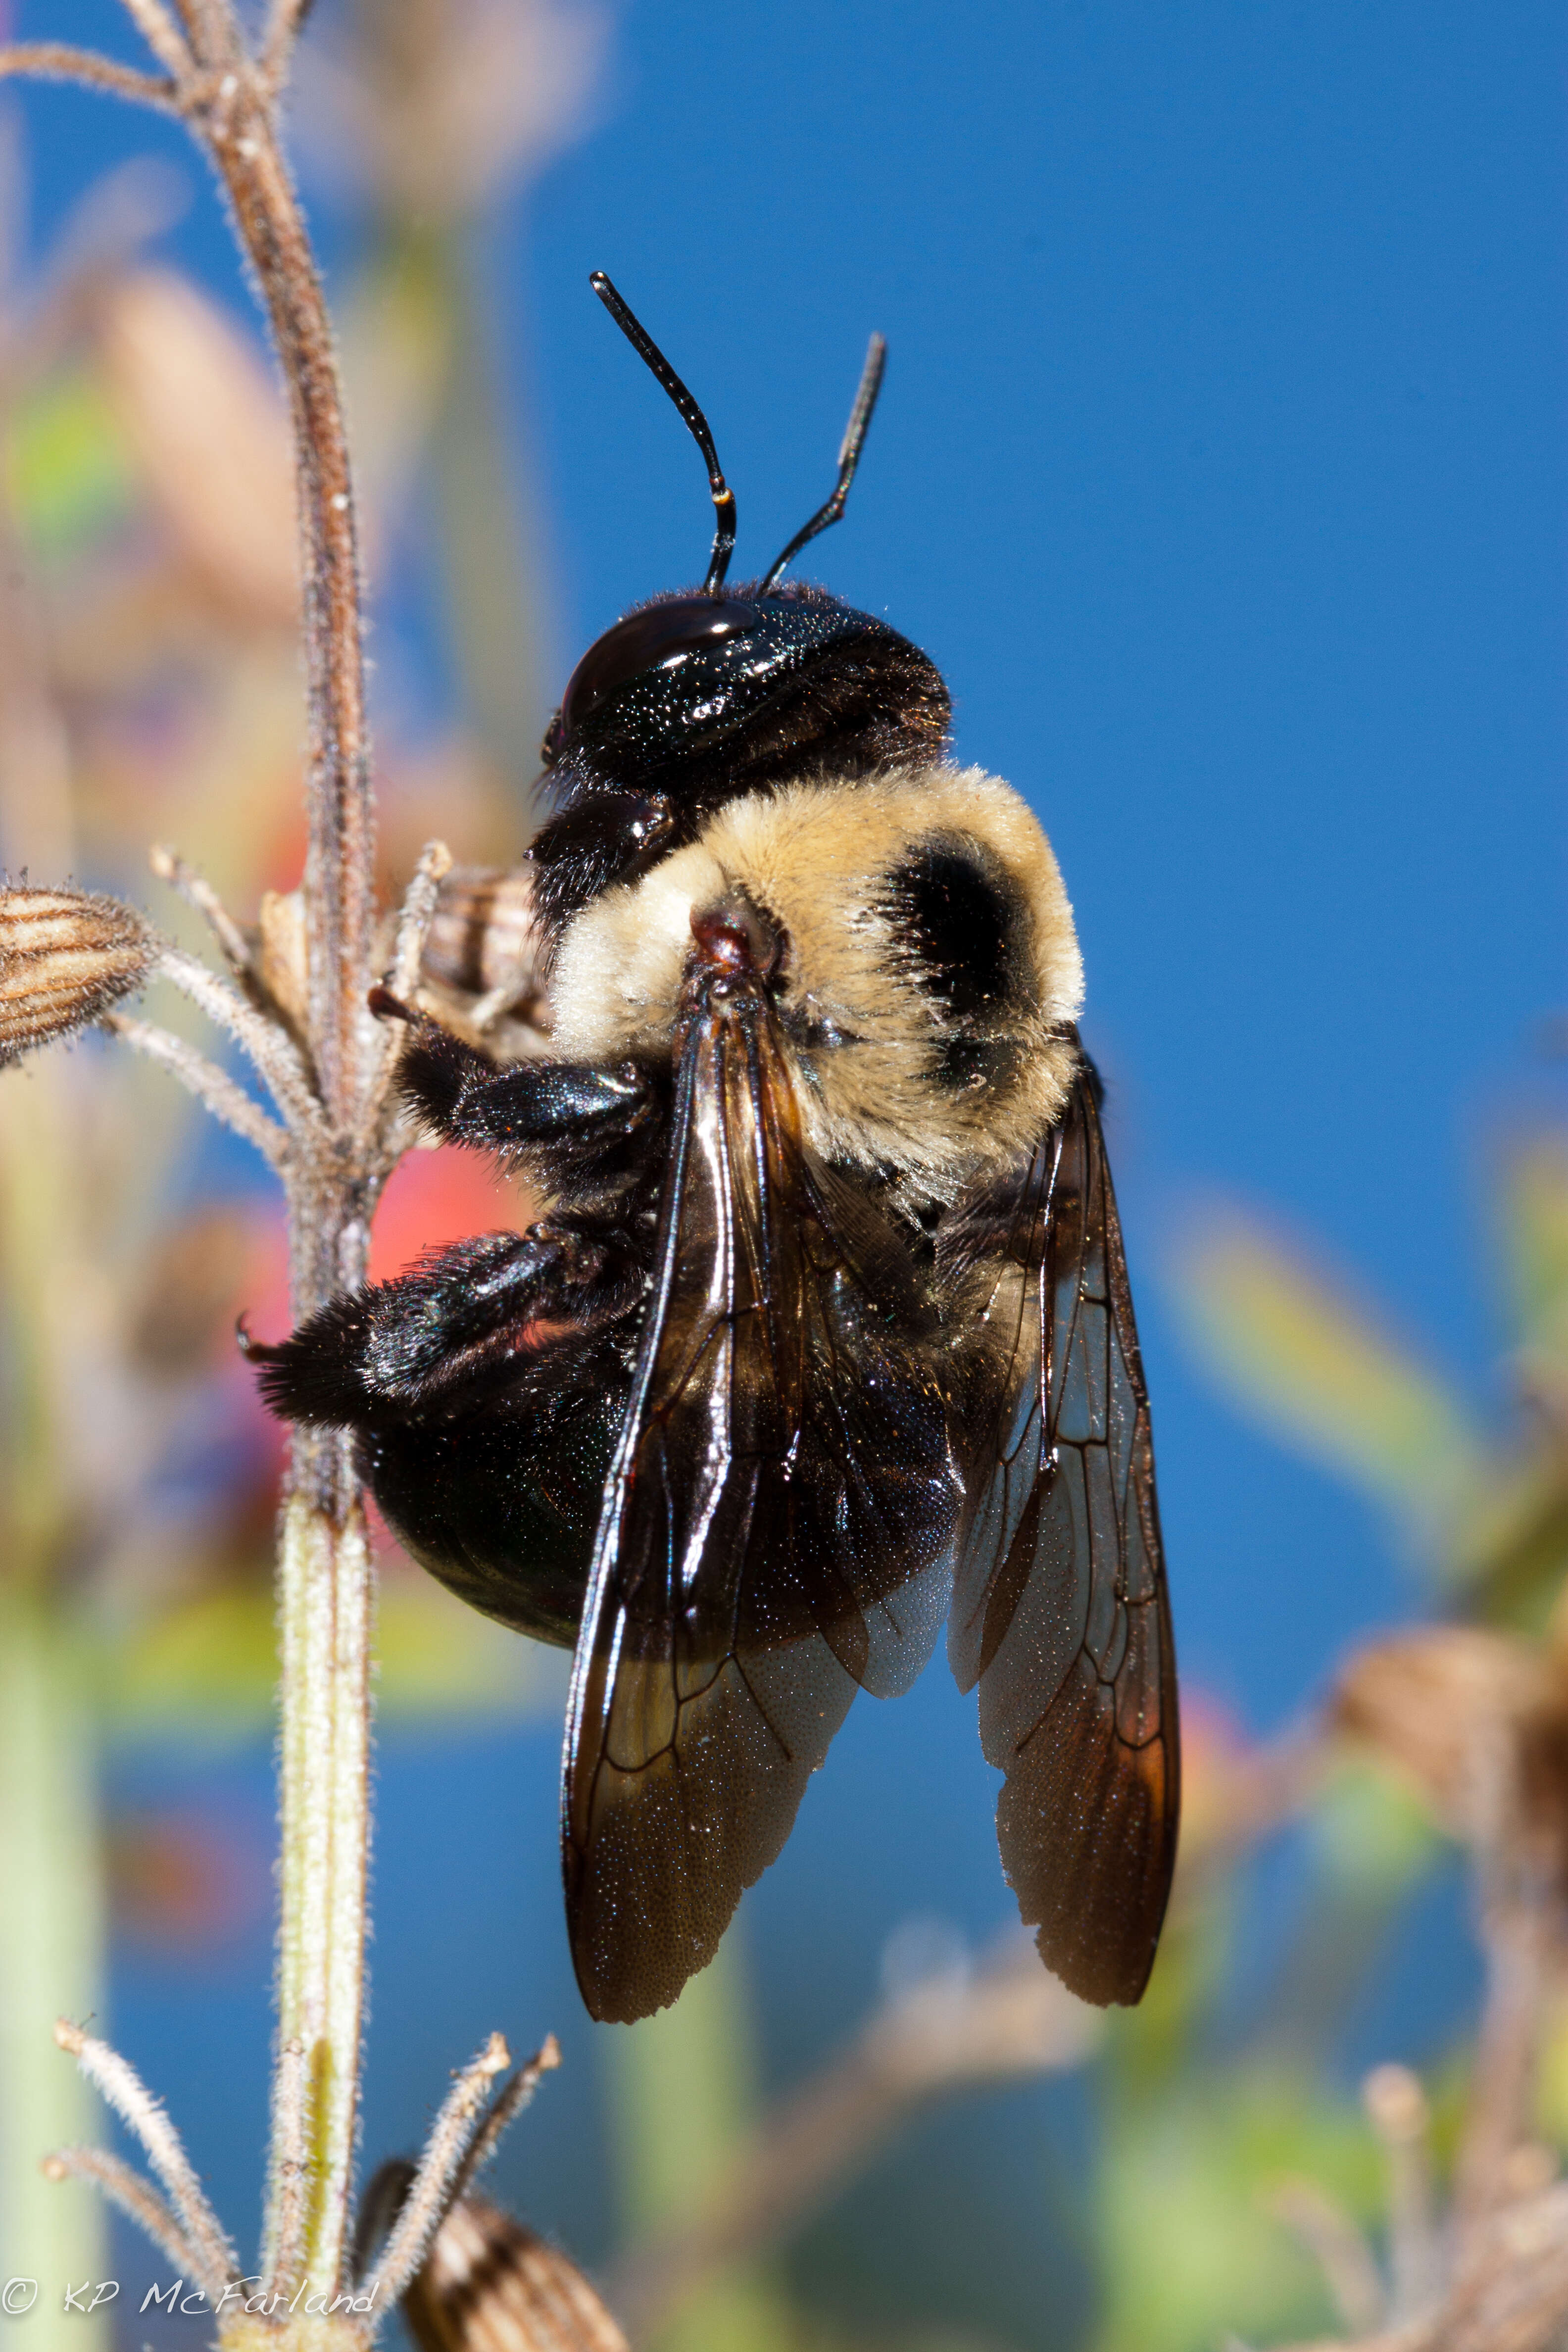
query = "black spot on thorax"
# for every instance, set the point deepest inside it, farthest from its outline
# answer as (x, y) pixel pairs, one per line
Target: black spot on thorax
(956, 924)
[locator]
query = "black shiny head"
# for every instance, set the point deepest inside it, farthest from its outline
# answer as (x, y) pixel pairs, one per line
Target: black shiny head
(702, 695)
(693, 700)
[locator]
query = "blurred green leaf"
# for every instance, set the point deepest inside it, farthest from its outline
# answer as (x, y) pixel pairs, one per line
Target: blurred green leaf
(1301, 1355)
(208, 1667)
(70, 476)
(1371, 1830)
(1191, 2252)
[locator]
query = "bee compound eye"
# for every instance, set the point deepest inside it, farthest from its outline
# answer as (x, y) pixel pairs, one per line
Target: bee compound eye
(642, 642)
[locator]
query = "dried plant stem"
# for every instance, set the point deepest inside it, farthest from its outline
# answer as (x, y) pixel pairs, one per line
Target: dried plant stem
(285, 2222)
(285, 23)
(334, 1149)
(161, 35)
(270, 1049)
(1330, 2235)
(502, 2113)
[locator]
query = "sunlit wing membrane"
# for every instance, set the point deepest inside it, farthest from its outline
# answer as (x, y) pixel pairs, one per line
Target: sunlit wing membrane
(777, 1530)
(1060, 1610)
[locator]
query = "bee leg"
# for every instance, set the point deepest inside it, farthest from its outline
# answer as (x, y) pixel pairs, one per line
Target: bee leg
(469, 1330)
(569, 1107)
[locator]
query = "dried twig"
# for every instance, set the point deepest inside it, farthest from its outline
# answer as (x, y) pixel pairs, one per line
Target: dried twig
(271, 1050)
(503, 2111)
(161, 35)
(415, 918)
(337, 1161)
(285, 2238)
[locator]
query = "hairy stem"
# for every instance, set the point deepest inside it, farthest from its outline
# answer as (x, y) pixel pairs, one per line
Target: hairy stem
(339, 867)
(324, 1602)
(325, 1587)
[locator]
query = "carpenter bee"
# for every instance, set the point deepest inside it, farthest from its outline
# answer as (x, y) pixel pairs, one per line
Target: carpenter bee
(825, 1336)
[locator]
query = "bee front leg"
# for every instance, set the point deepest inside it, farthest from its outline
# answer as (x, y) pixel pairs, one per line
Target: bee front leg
(565, 1113)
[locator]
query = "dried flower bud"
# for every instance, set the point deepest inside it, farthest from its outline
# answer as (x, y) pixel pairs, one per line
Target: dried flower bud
(280, 938)
(483, 941)
(490, 2286)
(65, 956)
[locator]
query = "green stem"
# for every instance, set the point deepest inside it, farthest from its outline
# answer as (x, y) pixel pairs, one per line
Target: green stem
(325, 1607)
(51, 1961)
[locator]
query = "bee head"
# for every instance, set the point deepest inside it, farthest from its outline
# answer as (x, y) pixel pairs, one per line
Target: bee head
(701, 695)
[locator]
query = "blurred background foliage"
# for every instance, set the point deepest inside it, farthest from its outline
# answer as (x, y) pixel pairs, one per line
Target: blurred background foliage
(1178, 2163)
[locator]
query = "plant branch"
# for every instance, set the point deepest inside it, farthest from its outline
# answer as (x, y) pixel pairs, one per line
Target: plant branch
(161, 35)
(61, 61)
(1321, 2223)
(241, 134)
(415, 918)
(285, 23)
(212, 2257)
(325, 1580)
(282, 2253)
(504, 2110)
(197, 892)
(271, 1050)
(1516, 1937)
(1397, 2108)
(211, 1086)
(135, 2197)
(435, 2184)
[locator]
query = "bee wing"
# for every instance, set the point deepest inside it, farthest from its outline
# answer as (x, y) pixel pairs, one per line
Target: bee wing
(776, 1531)
(1060, 1610)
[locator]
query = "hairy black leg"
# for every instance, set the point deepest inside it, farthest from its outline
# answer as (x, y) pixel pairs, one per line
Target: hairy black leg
(487, 1390)
(465, 1329)
(568, 1112)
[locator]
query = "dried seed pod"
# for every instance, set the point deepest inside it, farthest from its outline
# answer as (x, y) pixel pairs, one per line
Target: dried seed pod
(65, 956)
(484, 942)
(280, 953)
(490, 2286)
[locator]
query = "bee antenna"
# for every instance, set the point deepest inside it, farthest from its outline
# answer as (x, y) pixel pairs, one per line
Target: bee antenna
(643, 343)
(849, 458)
